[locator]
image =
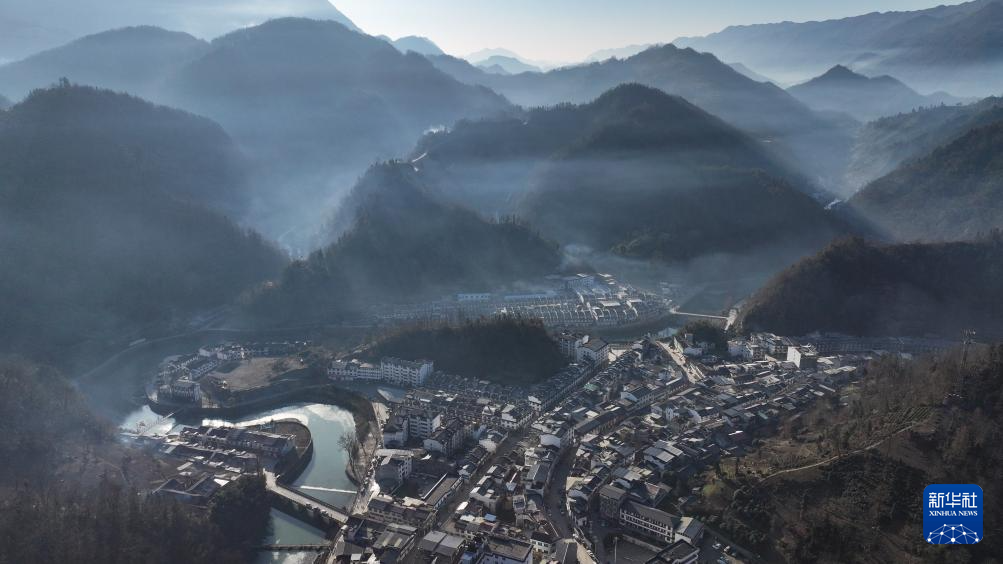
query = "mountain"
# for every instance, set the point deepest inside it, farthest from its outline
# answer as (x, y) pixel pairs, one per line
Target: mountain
(862, 288)
(618, 52)
(636, 171)
(29, 27)
(509, 65)
(106, 229)
(884, 144)
(501, 349)
(865, 98)
(314, 103)
(135, 59)
(955, 192)
(762, 109)
(749, 73)
(4, 102)
(914, 422)
(958, 47)
(418, 44)
(403, 245)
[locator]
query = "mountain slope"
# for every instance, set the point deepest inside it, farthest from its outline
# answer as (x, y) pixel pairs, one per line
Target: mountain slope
(883, 145)
(762, 109)
(955, 46)
(4, 102)
(953, 193)
(416, 43)
(861, 288)
(315, 103)
(104, 234)
(842, 90)
(403, 245)
(636, 171)
(135, 60)
(510, 65)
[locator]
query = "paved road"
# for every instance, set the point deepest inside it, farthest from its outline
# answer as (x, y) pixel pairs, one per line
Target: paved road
(554, 501)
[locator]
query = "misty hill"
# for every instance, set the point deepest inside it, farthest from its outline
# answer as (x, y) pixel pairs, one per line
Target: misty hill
(636, 171)
(955, 192)
(416, 43)
(617, 52)
(746, 71)
(865, 98)
(4, 102)
(315, 103)
(510, 65)
(862, 288)
(28, 27)
(959, 46)
(506, 350)
(403, 245)
(134, 60)
(105, 234)
(763, 109)
(884, 144)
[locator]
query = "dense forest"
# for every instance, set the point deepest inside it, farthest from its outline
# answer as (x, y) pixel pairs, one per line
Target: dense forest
(933, 420)
(67, 488)
(107, 226)
(403, 245)
(955, 192)
(636, 171)
(507, 350)
(863, 288)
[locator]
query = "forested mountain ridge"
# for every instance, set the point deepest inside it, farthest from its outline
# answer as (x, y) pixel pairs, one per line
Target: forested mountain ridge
(763, 110)
(884, 144)
(955, 192)
(636, 171)
(506, 350)
(403, 245)
(136, 60)
(861, 288)
(105, 230)
(865, 98)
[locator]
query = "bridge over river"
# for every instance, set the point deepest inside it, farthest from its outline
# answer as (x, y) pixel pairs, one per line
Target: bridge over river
(306, 502)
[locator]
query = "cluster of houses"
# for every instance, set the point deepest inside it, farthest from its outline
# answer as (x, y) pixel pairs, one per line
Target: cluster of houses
(209, 457)
(393, 371)
(580, 300)
(179, 379)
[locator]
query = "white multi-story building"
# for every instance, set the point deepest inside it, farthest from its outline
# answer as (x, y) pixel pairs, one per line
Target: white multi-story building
(405, 372)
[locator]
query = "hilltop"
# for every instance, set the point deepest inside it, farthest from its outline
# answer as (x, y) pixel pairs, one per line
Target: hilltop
(503, 349)
(865, 98)
(402, 245)
(636, 171)
(863, 288)
(109, 232)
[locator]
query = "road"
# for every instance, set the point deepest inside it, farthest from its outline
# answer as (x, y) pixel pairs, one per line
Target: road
(554, 501)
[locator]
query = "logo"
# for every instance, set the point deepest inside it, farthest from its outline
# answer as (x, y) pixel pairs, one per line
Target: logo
(952, 514)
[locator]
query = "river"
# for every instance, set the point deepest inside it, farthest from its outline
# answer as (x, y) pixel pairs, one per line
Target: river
(113, 392)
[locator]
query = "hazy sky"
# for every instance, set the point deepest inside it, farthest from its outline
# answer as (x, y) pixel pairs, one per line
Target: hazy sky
(566, 30)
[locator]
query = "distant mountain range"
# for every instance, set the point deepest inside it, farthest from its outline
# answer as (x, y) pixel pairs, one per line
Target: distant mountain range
(865, 98)
(762, 109)
(953, 193)
(958, 47)
(861, 288)
(884, 144)
(137, 60)
(29, 27)
(637, 172)
(418, 44)
(108, 230)
(311, 102)
(403, 245)
(507, 65)
(618, 52)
